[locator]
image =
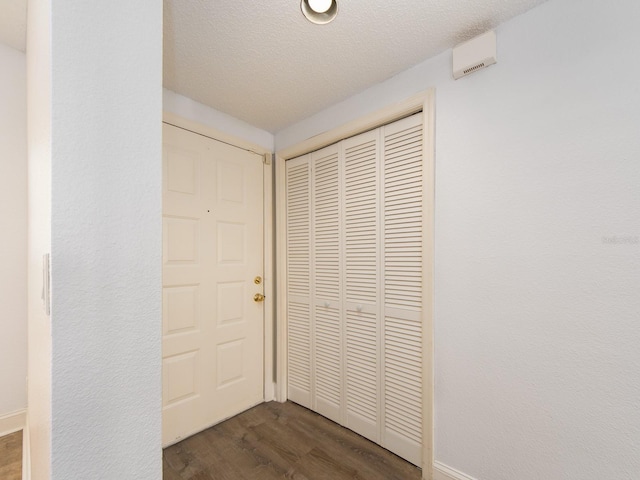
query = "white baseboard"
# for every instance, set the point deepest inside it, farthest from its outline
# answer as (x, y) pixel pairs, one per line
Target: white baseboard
(12, 422)
(443, 472)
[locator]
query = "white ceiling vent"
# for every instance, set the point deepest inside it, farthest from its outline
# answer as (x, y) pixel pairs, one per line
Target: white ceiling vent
(474, 55)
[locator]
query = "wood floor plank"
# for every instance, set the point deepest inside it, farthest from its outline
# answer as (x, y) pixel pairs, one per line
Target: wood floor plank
(11, 456)
(247, 451)
(369, 459)
(319, 465)
(282, 441)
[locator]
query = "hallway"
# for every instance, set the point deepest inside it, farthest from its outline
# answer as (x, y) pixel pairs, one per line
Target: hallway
(282, 441)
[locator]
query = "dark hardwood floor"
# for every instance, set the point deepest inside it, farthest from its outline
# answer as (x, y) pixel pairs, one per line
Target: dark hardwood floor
(11, 456)
(282, 441)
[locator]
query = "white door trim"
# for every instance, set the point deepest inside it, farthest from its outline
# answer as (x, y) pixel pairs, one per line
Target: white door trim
(423, 102)
(269, 281)
(268, 273)
(213, 133)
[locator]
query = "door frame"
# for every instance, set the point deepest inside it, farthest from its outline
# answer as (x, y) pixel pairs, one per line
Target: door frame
(268, 231)
(422, 102)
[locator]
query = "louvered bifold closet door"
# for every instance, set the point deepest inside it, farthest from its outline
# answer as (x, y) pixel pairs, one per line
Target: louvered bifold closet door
(355, 280)
(403, 274)
(299, 280)
(362, 283)
(327, 328)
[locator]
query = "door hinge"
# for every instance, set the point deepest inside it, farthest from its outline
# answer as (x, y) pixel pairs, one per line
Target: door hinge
(266, 159)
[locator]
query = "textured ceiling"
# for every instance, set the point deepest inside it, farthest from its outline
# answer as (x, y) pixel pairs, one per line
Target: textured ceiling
(263, 62)
(13, 23)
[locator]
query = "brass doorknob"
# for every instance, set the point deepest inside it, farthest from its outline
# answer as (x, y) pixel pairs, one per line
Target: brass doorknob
(258, 297)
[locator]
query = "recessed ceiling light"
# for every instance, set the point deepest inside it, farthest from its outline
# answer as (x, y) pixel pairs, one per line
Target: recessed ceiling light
(319, 11)
(320, 6)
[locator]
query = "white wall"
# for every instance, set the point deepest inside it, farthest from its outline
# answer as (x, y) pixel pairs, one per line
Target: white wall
(537, 245)
(197, 112)
(39, 233)
(95, 106)
(13, 225)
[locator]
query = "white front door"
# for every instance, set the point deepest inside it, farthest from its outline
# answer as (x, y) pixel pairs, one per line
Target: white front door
(212, 327)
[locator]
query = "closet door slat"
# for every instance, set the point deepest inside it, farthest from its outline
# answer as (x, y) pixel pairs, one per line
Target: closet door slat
(326, 265)
(299, 281)
(403, 288)
(361, 257)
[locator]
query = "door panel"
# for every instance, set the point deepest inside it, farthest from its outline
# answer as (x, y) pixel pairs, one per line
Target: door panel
(327, 332)
(212, 251)
(403, 254)
(362, 289)
(299, 241)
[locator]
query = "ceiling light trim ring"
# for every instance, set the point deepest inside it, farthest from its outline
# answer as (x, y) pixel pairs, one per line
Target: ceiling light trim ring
(319, 18)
